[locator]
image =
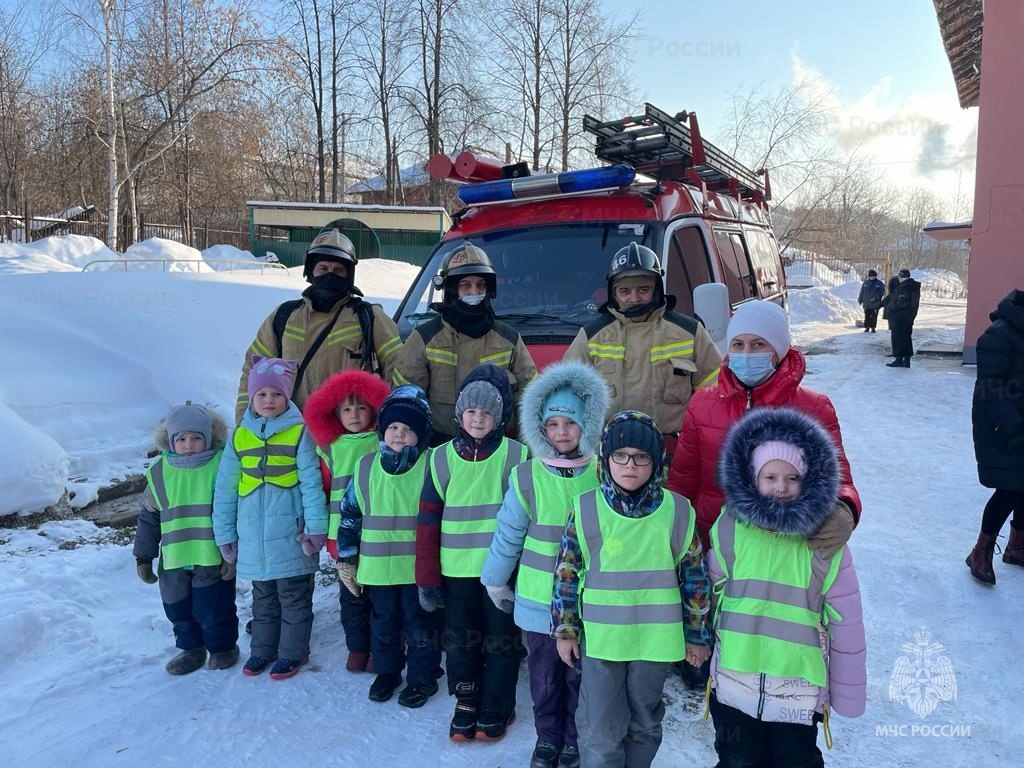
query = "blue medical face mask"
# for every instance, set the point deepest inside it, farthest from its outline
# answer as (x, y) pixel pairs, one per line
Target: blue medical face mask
(752, 368)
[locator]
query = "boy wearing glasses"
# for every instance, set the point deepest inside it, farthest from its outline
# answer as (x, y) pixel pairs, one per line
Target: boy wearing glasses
(631, 589)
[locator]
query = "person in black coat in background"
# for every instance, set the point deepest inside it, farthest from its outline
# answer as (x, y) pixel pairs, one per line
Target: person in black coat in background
(901, 306)
(870, 298)
(997, 418)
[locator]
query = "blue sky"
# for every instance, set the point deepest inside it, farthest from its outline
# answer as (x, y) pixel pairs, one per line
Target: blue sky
(881, 63)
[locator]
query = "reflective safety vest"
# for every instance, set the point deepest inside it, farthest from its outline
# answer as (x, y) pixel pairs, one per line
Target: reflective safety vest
(546, 496)
(770, 602)
(390, 505)
(341, 459)
(185, 500)
(267, 461)
(472, 492)
(629, 591)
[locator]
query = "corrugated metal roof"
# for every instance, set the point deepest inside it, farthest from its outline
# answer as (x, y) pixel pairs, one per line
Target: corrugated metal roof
(961, 23)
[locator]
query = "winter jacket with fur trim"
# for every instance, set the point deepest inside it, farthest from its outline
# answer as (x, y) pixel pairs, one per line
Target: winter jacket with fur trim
(760, 695)
(712, 411)
(147, 531)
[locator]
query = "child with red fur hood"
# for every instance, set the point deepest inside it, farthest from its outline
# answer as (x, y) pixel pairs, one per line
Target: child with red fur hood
(342, 418)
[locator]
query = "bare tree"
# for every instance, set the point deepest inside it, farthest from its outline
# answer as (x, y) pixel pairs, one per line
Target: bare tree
(583, 53)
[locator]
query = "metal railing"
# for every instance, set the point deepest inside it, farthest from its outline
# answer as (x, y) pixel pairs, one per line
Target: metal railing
(248, 265)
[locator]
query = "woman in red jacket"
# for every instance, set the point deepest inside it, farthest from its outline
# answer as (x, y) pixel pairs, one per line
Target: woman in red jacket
(760, 369)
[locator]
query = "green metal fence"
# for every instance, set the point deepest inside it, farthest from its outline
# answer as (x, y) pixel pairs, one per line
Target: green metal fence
(397, 245)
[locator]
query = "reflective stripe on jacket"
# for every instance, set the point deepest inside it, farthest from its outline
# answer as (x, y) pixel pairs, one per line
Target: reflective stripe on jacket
(185, 500)
(770, 603)
(546, 497)
(341, 459)
(631, 606)
(472, 492)
(653, 366)
(389, 503)
(267, 461)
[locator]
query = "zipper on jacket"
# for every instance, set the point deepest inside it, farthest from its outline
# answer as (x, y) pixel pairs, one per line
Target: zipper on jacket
(760, 697)
(750, 398)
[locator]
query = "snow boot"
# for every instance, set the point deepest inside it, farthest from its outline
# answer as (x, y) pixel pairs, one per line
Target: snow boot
(1014, 552)
(187, 661)
(906, 362)
(383, 688)
(463, 727)
(415, 696)
(570, 757)
(544, 755)
(285, 668)
(980, 559)
(224, 659)
(492, 726)
(357, 661)
(255, 665)
(896, 363)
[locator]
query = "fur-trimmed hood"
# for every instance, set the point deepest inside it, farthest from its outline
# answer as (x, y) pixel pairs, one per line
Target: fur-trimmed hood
(218, 430)
(585, 383)
(319, 411)
(819, 487)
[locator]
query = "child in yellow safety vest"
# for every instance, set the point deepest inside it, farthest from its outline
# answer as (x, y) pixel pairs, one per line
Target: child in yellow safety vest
(342, 418)
(789, 634)
(377, 550)
(270, 515)
(631, 594)
(466, 482)
(560, 417)
(197, 587)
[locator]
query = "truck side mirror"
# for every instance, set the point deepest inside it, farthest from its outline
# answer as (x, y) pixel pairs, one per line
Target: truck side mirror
(711, 305)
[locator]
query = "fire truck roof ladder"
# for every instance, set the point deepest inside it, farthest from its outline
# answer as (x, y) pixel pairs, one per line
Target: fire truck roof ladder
(660, 145)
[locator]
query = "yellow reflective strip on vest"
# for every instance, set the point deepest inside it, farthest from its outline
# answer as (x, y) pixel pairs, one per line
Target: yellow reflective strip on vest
(666, 351)
(344, 333)
(270, 461)
(398, 378)
(498, 358)
(441, 356)
(260, 347)
(295, 332)
(389, 347)
(711, 378)
(609, 351)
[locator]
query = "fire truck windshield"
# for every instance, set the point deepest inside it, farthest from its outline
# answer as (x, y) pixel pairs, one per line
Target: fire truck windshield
(550, 280)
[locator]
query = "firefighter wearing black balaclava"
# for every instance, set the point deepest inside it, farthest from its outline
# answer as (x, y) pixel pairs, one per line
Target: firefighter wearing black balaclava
(324, 329)
(441, 352)
(652, 357)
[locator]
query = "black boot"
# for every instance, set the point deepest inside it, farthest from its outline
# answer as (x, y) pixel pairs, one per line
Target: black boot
(906, 362)
(467, 708)
(897, 363)
(383, 688)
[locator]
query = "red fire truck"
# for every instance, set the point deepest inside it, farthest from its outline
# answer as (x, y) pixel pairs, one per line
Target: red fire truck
(552, 236)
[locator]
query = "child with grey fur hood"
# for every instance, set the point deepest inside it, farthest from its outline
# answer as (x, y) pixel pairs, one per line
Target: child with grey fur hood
(175, 520)
(789, 632)
(561, 416)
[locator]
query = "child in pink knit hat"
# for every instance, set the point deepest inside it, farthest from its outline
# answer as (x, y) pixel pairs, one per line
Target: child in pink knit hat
(270, 517)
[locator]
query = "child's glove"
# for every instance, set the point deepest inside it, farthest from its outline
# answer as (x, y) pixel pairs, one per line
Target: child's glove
(503, 597)
(834, 532)
(430, 598)
(229, 551)
(347, 576)
(145, 570)
(227, 571)
(311, 544)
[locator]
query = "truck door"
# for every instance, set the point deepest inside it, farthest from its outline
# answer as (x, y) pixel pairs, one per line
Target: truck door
(737, 273)
(687, 265)
(764, 254)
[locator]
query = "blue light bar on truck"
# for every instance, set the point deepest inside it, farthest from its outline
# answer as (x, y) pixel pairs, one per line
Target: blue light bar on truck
(566, 183)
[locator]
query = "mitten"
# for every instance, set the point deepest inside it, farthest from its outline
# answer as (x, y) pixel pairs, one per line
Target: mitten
(834, 532)
(229, 551)
(503, 597)
(347, 576)
(145, 570)
(430, 598)
(311, 543)
(227, 571)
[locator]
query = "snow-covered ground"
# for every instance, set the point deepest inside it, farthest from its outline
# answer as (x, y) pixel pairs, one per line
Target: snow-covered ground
(92, 361)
